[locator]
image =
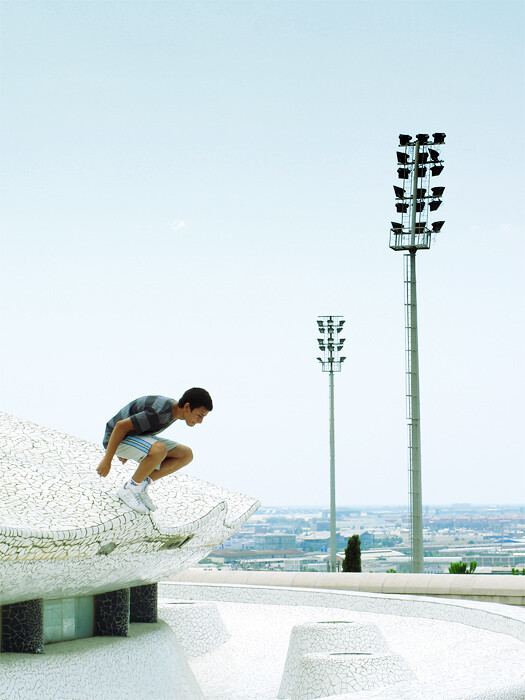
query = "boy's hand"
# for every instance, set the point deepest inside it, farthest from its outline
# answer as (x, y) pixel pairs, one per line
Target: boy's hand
(104, 467)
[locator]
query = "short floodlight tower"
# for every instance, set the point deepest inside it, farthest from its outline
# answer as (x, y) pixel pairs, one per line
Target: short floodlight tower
(419, 162)
(331, 344)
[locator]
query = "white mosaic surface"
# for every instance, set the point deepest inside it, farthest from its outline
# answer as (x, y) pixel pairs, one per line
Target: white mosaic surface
(451, 660)
(322, 675)
(198, 625)
(506, 619)
(64, 532)
(147, 665)
(328, 637)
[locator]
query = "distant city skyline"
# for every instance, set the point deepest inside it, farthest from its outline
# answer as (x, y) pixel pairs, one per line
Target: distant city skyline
(187, 186)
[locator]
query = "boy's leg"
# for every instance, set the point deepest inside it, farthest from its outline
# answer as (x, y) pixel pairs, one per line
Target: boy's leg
(156, 455)
(158, 462)
(149, 453)
(175, 459)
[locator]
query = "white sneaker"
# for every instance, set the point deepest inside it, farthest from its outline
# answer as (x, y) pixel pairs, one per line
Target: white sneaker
(143, 495)
(131, 499)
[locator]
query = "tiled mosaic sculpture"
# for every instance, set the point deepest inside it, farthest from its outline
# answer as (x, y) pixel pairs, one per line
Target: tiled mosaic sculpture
(322, 675)
(63, 531)
(148, 664)
(198, 625)
(328, 636)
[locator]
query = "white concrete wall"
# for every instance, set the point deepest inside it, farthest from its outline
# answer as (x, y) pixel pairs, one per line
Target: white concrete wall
(496, 588)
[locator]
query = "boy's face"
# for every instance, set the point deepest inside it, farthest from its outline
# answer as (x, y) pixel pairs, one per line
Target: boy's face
(194, 417)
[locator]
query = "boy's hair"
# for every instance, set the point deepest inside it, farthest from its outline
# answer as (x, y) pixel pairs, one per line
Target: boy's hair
(197, 398)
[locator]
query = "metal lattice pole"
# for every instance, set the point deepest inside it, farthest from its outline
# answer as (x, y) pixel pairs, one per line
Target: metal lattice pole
(333, 539)
(419, 162)
(413, 415)
(331, 344)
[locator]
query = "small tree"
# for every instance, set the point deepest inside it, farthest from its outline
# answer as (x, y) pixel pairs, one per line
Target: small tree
(460, 567)
(352, 560)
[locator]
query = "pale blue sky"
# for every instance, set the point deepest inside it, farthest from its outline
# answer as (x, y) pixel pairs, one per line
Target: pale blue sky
(187, 185)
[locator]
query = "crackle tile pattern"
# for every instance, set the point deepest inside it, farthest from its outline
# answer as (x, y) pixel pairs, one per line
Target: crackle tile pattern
(322, 675)
(143, 603)
(112, 613)
(505, 619)
(147, 665)
(63, 531)
(198, 625)
(328, 636)
(22, 626)
(451, 660)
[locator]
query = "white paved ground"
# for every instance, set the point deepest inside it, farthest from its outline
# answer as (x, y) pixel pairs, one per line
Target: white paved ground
(451, 660)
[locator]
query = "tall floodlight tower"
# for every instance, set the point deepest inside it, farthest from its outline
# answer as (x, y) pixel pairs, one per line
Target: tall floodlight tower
(331, 345)
(419, 161)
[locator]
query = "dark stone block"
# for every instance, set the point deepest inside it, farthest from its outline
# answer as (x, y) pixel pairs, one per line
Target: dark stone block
(112, 613)
(23, 627)
(143, 603)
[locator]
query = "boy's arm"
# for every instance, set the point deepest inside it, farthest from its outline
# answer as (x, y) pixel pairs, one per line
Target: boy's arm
(121, 429)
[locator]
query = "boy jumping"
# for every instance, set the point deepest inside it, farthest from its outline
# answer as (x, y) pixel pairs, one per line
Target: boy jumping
(132, 434)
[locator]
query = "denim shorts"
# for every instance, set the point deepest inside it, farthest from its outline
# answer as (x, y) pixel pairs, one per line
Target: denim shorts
(136, 447)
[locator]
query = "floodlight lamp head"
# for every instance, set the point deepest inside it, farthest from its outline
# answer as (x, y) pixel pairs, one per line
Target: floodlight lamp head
(435, 204)
(404, 139)
(422, 138)
(401, 207)
(342, 359)
(402, 158)
(320, 359)
(403, 173)
(437, 226)
(436, 170)
(399, 192)
(396, 227)
(437, 191)
(434, 155)
(439, 138)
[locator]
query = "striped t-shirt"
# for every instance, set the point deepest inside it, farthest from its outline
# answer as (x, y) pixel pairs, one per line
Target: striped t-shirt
(149, 414)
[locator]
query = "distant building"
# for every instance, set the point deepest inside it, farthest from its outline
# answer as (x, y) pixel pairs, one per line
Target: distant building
(275, 540)
(238, 545)
(320, 542)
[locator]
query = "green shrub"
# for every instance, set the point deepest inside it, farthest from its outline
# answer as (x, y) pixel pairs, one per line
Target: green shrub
(460, 567)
